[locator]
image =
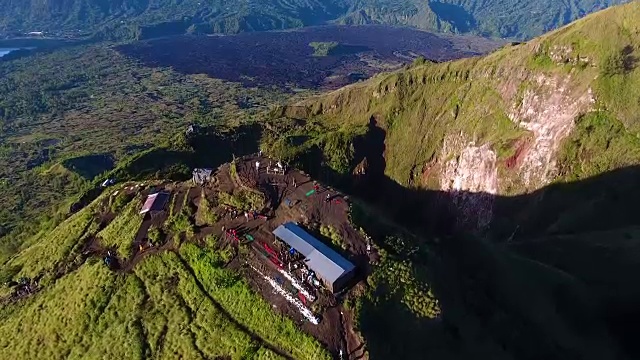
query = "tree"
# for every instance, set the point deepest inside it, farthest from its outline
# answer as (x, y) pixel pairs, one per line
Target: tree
(420, 60)
(154, 235)
(614, 64)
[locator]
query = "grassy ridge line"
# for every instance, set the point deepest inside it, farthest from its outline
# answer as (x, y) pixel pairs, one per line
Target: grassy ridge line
(121, 232)
(159, 311)
(419, 106)
(64, 319)
(194, 327)
(50, 248)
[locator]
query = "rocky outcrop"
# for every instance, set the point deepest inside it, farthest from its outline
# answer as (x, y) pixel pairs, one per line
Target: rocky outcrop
(470, 175)
(548, 110)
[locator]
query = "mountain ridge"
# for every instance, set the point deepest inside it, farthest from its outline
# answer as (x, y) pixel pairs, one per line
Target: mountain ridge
(133, 19)
(556, 109)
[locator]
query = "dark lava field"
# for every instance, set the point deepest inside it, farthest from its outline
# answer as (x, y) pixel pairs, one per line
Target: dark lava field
(286, 60)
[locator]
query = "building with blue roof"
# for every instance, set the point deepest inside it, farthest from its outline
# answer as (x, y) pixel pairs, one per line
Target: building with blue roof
(330, 267)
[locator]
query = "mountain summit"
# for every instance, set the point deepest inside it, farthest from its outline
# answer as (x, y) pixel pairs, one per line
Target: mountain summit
(562, 107)
(533, 148)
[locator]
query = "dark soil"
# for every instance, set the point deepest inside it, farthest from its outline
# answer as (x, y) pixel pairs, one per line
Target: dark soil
(179, 201)
(285, 59)
(334, 330)
(307, 211)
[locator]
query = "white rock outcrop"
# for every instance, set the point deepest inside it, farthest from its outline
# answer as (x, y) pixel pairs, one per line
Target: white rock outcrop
(549, 111)
(470, 175)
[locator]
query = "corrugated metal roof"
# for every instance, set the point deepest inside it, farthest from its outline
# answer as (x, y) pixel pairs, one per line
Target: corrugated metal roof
(327, 263)
(155, 202)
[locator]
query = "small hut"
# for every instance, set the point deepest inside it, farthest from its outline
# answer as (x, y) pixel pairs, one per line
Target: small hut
(155, 203)
(202, 176)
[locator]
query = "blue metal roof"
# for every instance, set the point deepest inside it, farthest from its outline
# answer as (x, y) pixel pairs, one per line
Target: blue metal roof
(328, 264)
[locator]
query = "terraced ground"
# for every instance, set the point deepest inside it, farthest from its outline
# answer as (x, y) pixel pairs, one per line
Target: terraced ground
(166, 300)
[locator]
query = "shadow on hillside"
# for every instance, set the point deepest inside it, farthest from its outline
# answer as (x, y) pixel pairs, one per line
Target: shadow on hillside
(213, 148)
(205, 148)
(520, 289)
(629, 61)
(90, 166)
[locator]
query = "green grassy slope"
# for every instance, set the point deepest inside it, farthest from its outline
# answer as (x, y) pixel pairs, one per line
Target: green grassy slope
(431, 297)
(181, 303)
(52, 103)
(419, 107)
(130, 19)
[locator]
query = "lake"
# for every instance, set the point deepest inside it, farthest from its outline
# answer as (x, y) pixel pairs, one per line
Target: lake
(5, 51)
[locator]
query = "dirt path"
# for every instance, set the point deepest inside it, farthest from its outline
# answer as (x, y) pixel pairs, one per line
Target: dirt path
(138, 255)
(344, 343)
(193, 198)
(224, 182)
(179, 200)
(335, 330)
(355, 347)
(255, 337)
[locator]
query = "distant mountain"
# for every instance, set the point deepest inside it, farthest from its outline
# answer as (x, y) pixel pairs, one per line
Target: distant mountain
(144, 18)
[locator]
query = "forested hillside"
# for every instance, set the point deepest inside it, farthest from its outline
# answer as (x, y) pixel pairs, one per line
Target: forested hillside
(130, 19)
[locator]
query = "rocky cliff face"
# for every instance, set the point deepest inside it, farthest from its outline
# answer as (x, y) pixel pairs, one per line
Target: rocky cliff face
(504, 124)
(471, 175)
(548, 111)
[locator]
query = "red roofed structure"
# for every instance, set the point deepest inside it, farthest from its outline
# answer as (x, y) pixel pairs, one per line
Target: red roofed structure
(155, 202)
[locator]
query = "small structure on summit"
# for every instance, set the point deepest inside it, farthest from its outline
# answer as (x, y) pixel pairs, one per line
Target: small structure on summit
(192, 129)
(330, 267)
(278, 169)
(108, 182)
(202, 176)
(155, 203)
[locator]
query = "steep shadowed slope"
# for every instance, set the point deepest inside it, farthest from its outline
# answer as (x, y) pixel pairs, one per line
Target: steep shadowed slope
(533, 152)
(560, 108)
